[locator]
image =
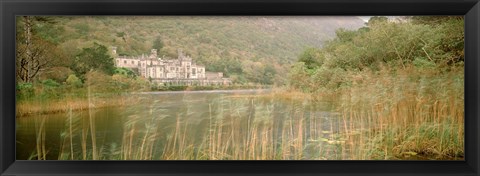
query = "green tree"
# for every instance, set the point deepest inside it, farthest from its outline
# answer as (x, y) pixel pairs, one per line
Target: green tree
(376, 19)
(122, 35)
(433, 20)
(94, 58)
(158, 44)
(345, 35)
(311, 57)
(269, 74)
(298, 77)
(424, 43)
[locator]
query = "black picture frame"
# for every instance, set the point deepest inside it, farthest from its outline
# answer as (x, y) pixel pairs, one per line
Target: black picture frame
(11, 8)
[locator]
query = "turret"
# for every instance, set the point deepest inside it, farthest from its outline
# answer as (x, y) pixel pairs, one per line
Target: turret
(180, 54)
(114, 50)
(153, 53)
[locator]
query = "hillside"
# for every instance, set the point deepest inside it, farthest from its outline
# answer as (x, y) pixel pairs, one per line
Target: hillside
(238, 46)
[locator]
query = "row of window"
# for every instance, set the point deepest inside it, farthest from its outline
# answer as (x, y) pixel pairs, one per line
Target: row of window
(169, 75)
(132, 62)
(171, 68)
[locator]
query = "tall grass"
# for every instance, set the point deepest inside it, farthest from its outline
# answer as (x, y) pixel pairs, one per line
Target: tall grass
(394, 115)
(407, 113)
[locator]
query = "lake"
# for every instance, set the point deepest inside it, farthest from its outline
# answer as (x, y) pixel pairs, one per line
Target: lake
(189, 125)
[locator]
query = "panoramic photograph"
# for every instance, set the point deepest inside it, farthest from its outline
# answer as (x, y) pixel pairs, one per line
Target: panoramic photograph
(240, 88)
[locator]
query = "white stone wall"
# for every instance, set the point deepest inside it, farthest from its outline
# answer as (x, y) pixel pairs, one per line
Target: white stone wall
(126, 62)
(182, 68)
(159, 72)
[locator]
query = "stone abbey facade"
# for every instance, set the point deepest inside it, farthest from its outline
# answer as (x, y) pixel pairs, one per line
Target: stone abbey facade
(180, 71)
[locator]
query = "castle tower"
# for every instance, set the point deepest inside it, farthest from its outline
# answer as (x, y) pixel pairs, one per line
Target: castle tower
(180, 54)
(114, 50)
(153, 53)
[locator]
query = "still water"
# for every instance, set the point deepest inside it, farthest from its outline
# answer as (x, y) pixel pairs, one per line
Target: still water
(230, 124)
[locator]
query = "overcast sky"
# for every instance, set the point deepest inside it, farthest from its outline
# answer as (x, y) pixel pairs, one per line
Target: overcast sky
(364, 18)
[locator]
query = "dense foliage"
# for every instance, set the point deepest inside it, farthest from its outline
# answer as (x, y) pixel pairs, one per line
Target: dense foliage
(397, 45)
(94, 58)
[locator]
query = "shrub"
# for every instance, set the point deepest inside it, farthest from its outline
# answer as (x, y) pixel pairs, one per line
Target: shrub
(50, 89)
(58, 74)
(423, 63)
(99, 82)
(121, 82)
(74, 81)
(50, 83)
(25, 91)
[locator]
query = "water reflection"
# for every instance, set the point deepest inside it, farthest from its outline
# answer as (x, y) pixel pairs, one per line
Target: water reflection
(230, 124)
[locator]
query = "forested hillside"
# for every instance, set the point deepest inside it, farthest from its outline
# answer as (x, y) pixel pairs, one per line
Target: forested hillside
(237, 46)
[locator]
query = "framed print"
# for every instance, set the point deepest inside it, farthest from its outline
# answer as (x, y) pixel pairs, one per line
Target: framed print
(252, 87)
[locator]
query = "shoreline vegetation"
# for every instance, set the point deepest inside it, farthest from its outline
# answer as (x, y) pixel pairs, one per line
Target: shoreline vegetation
(38, 105)
(402, 82)
(386, 115)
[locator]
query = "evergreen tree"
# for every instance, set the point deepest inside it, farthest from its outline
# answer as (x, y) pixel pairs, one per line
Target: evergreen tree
(94, 58)
(158, 44)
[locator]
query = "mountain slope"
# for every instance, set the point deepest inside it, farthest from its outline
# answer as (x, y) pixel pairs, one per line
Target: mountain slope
(228, 44)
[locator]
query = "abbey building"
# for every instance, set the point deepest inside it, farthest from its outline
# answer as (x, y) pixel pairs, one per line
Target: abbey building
(180, 71)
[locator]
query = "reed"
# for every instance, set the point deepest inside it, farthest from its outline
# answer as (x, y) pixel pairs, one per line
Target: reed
(401, 115)
(40, 139)
(408, 116)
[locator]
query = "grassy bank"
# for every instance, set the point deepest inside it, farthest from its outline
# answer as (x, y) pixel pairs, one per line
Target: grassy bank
(36, 107)
(62, 100)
